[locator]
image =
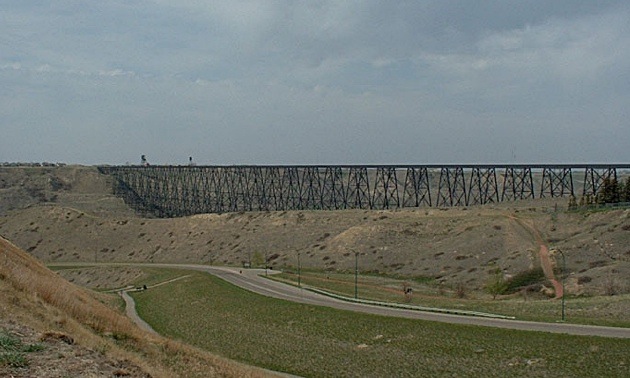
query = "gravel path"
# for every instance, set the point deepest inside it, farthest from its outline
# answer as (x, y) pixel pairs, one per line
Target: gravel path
(130, 310)
(130, 304)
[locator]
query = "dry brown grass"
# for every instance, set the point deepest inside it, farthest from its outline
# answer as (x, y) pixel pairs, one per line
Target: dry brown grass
(37, 296)
(28, 275)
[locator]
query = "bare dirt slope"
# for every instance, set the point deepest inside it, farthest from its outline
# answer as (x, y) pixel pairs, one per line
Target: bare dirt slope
(456, 245)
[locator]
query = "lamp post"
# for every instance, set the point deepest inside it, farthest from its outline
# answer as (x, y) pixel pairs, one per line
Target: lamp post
(299, 275)
(564, 268)
(356, 275)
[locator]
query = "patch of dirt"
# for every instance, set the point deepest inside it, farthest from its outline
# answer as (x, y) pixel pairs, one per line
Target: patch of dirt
(54, 354)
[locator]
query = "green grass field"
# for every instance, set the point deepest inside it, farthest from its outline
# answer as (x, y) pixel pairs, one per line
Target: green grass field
(321, 342)
(154, 276)
(602, 310)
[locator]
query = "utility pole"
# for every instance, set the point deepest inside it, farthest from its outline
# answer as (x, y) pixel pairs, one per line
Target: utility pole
(299, 275)
(356, 275)
(564, 269)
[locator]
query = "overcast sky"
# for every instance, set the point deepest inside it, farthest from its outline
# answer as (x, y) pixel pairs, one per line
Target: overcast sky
(315, 82)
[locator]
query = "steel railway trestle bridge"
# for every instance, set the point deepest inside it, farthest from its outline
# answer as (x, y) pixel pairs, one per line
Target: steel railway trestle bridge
(174, 191)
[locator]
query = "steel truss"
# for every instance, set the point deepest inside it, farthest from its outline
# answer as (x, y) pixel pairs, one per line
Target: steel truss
(594, 178)
(174, 191)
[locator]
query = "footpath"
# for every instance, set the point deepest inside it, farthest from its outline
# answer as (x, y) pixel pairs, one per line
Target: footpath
(130, 304)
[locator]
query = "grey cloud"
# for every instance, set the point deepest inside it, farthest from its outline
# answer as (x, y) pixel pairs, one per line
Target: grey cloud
(315, 82)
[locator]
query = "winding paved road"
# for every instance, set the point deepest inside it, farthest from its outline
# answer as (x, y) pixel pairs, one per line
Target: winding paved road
(252, 280)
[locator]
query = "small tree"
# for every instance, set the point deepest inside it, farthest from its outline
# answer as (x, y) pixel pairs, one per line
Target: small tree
(609, 192)
(407, 292)
(590, 200)
(572, 203)
(582, 201)
(257, 259)
(610, 286)
(460, 290)
(497, 284)
(626, 190)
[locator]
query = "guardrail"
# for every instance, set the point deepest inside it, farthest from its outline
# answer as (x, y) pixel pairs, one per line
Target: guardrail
(410, 307)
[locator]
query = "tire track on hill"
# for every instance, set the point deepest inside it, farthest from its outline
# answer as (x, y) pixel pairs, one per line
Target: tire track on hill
(543, 254)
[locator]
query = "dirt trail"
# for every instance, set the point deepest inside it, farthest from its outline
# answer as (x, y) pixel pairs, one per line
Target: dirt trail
(130, 304)
(545, 259)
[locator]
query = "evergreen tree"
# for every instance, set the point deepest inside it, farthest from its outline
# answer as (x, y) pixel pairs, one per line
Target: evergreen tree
(626, 190)
(572, 203)
(616, 191)
(609, 192)
(583, 201)
(604, 192)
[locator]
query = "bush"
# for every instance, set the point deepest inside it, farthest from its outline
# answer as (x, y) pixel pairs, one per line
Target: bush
(8, 342)
(497, 285)
(525, 278)
(13, 359)
(584, 279)
(11, 351)
(460, 290)
(610, 286)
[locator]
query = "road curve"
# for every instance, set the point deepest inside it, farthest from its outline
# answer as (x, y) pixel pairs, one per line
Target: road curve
(252, 279)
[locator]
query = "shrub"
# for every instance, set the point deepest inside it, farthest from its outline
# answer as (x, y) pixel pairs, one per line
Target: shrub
(497, 285)
(13, 359)
(12, 351)
(572, 202)
(584, 279)
(8, 342)
(460, 290)
(525, 278)
(610, 286)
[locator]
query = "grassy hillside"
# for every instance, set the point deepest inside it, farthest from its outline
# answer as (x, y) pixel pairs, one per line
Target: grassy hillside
(49, 327)
(451, 246)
